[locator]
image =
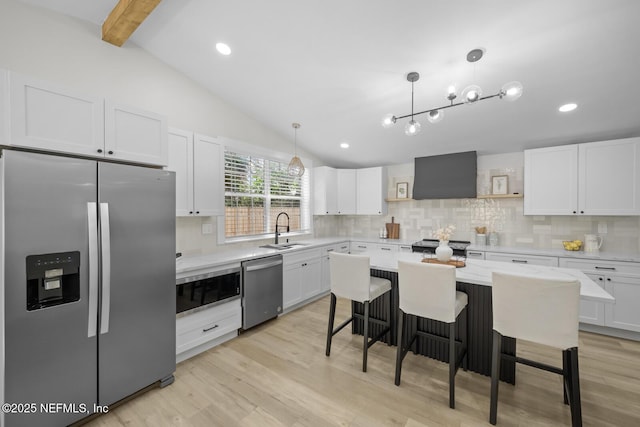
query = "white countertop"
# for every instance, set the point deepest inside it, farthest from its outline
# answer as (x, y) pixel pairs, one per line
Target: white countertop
(479, 272)
(602, 255)
(199, 264)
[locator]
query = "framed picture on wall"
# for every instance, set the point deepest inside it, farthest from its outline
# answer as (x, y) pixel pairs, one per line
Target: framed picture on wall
(402, 190)
(499, 184)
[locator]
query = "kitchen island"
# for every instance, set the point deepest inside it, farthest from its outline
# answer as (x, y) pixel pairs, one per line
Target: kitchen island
(475, 280)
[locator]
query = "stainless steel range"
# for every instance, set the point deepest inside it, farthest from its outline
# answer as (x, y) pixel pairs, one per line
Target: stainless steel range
(429, 246)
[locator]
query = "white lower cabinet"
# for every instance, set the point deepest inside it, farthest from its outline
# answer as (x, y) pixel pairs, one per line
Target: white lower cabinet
(207, 328)
(301, 277)
(622, 281)
(549, 261)
(363, 247)
(592, 312)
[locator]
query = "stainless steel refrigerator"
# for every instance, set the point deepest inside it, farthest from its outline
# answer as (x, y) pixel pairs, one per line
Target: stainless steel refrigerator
(87, 272)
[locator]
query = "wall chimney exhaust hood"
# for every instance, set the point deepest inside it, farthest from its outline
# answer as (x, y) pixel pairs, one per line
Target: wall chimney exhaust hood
(448, 176)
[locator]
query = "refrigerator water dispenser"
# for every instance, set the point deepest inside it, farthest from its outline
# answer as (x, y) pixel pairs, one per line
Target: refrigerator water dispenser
(52, 279)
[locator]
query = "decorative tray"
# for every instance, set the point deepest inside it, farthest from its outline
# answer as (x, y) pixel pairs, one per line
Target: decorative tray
(457, 263)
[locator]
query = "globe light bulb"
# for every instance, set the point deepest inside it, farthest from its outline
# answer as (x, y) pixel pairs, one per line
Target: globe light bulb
(511, 91)
(435, 116)
(412, 128)
(388, 121)
(471, 94)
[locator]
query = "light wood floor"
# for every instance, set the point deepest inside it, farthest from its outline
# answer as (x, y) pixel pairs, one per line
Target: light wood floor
(277, 375)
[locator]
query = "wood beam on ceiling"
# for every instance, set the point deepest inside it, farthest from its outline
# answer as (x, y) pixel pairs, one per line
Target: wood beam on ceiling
(125, 17)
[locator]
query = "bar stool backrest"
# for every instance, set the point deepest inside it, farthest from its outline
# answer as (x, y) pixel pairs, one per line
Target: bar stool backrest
(427, 290)
(350, 276)
(538, 309)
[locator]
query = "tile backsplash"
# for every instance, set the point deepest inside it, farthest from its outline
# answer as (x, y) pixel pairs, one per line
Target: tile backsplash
(418, 219)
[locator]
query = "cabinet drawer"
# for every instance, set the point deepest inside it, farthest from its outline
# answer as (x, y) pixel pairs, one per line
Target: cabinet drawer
(601, 267)
(475, 255)
(522, 259)
(302, 256)
(206, 325)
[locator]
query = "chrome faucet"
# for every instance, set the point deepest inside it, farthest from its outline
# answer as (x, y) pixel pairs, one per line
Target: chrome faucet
(277, 218)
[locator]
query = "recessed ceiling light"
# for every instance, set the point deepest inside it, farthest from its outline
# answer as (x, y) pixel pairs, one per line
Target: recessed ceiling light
(344, 145)
(223, 48)
(567, 107)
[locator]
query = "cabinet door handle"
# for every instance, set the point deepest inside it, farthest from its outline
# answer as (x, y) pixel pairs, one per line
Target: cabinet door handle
(475, 253)
(519, 261)
(386, 249)
(581, 212)
(209, 329)
(304, 264)
(330, 250)
(362, 247)
(575, 212)
(606, 268)
(99, 150)
(608, 279)
(600, 279)
(110, 152)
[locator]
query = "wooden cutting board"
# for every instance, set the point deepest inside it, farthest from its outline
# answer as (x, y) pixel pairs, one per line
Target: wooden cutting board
(393, 229)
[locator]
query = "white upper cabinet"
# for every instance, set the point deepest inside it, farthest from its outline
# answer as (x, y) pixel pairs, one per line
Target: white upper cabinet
(51, 118)
(349, 191)
(181, 162)
(346, 179)
(135, 135)
(325, 197)
(208, 176)
(609, 177)
(197, 161)
(598, 178)
(551, 181)
(4, 107)
(371, 191)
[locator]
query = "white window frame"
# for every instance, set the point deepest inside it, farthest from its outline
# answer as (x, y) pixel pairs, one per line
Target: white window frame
(306, 213)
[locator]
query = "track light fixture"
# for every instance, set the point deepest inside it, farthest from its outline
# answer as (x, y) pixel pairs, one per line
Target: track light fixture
(470, 95)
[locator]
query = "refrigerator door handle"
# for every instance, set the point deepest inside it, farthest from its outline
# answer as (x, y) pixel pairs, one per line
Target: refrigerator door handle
(92, 223)
(105, 241)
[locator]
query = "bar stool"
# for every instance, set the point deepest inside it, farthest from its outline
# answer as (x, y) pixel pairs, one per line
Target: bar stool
(540, 310)
(429, 291)
(351, 278)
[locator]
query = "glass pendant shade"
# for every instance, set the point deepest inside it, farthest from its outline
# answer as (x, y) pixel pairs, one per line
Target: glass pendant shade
(511, 91)
(412, 128)
(388, 121)
(471, 94)
(295, 168)
(435, 116)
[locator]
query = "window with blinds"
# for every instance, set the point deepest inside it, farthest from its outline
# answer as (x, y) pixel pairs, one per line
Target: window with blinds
(256, 191)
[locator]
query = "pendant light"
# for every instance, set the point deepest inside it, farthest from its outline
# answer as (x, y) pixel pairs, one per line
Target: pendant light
(296, 168)
(413, 127)
(472, 94)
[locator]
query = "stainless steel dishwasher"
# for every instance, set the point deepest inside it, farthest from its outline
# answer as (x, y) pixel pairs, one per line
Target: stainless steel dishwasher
(261, 290)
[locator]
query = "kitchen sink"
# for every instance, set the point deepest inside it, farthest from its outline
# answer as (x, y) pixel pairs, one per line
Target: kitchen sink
(284, 246)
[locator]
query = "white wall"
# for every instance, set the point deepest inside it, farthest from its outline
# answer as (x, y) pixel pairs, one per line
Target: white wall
(69, 52)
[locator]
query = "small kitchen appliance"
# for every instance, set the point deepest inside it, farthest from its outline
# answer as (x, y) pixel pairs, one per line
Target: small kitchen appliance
(592, 242)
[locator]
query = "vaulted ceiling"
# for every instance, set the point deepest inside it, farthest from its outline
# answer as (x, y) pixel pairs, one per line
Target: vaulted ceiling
(338, 66)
